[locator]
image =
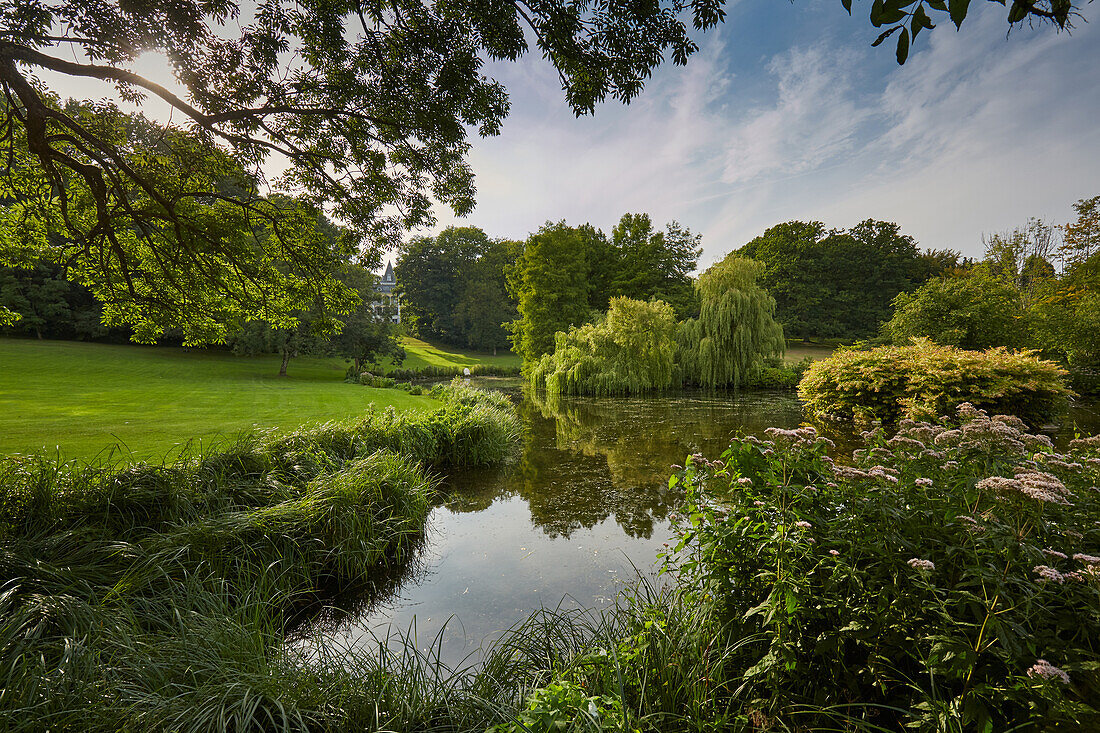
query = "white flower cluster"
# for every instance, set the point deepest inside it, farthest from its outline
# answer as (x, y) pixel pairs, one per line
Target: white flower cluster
(1037, 485)
(1044, 669)
(918, 564)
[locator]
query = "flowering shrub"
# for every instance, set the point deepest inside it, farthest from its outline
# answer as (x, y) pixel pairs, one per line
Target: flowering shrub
(924, 379)
(947, 578)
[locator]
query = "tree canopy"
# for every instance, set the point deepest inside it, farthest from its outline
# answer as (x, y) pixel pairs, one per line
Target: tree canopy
(453, 287)
(366, 106)
(837, 284)
(735, 331)
(568, 275)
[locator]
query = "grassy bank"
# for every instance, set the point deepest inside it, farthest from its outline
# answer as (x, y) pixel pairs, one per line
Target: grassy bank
(156, 597)
(83, 398)
(420, 354)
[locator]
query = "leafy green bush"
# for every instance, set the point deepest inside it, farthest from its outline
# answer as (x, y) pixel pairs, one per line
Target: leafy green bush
(443, 372)
(925, 379)
(975, 312)
(629, 351)
(948, 580)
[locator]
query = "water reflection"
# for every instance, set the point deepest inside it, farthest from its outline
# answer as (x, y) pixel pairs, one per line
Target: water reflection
(586, 502)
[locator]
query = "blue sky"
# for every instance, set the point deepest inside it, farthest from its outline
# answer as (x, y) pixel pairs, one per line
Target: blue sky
(787, 113)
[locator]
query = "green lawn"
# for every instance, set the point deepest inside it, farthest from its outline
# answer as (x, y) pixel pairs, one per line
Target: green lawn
(84, 398)
(799, 350)
(421, 353)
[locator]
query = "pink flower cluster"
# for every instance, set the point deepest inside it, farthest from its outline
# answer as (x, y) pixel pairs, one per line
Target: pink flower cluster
(1047, 573)
(918, 564)
(1044, 669)
(804, 437)
(1037, 485)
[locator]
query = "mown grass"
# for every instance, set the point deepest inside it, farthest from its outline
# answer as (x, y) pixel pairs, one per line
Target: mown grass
(157, 597)
(420, 354)
(82, 399)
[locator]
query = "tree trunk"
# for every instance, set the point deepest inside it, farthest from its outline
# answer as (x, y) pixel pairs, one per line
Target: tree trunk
(494, 350)
(286, 360)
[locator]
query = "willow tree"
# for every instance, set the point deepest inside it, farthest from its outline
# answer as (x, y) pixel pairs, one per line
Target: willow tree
(736, 329)
(628, 351)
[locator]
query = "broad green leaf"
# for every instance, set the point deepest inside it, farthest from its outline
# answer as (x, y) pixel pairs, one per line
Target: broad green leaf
(958, 9)
(903, 45)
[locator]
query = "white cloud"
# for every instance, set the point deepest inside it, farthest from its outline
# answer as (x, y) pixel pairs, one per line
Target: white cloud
(975, 133)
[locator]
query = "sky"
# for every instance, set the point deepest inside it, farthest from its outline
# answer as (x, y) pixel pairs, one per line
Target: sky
(786, 112)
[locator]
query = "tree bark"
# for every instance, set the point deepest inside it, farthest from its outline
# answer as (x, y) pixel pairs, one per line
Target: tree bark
(286, 360)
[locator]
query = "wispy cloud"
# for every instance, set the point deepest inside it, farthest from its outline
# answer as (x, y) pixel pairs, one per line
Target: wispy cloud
(974, 134)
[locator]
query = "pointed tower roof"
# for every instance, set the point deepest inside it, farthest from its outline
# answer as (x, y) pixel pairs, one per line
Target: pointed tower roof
(388, 277)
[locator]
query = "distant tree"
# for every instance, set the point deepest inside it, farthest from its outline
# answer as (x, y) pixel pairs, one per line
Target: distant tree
(1021, 259)
(630, 350)
(429, 273)
(484, 305)
(735, 331)
(835, 284)
(551, 286)
(649, 264)
(366, 336)
(1080, 250)
(454, 289)
(976, 312)
(49, 305)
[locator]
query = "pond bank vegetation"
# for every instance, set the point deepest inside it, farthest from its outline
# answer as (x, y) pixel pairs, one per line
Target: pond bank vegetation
(156, 597)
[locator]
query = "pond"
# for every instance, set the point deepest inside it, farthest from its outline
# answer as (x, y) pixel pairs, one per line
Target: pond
(584, 508)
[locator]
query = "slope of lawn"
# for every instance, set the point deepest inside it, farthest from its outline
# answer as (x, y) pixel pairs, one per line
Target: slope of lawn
(83, 398)
(420, 353)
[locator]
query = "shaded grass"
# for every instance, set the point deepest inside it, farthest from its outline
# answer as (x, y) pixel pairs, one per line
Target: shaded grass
(82, 398)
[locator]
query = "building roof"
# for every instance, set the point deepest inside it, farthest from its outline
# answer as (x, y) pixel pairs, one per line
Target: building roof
(388, 281)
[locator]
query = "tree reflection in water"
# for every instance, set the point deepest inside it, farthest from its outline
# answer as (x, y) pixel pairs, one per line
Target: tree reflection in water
(587, 459)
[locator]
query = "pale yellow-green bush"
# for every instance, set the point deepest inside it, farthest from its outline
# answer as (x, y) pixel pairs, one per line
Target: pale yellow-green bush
(925, 379)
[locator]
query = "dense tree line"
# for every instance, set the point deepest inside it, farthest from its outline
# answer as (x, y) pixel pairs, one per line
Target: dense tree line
(566, 276)
(829, 283)
(453, 287)
(50, 306)
(1038, 286)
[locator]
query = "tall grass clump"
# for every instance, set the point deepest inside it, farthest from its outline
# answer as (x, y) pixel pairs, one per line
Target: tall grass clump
(629, 351)
(948, 580)
(925, 379)
(147, 597)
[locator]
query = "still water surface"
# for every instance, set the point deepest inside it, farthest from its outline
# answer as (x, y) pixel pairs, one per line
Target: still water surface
(583, 508)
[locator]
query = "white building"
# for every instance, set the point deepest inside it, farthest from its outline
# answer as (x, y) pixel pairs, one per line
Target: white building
(388, 304)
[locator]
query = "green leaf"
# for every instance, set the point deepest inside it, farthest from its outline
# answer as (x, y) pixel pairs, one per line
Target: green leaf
(958, 9)
(885, 34)
(903, 45)
(847, 5)
(940, 5)
(1017, 12)
(876, 13)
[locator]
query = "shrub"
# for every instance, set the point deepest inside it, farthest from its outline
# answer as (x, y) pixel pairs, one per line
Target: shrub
(969, 312)
(629, 351)
(925, 379)
(369, 380)
(446, 372)
(948, 580)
